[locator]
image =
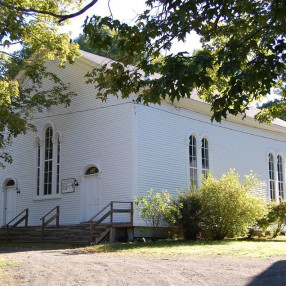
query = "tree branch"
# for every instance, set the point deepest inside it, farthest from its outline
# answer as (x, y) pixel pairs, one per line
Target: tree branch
(61, 17)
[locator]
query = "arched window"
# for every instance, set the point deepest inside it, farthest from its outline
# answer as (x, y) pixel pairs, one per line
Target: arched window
(48, 161)
(193, 161)
(10, 183)
(271, 176)
(205, 157)
(38, 167)
(280, 177)
(91, 171)
(58, 165)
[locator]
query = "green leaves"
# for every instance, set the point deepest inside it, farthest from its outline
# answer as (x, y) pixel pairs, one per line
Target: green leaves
(39, 41)
(154, 208)
(229, 207)
(243, 54)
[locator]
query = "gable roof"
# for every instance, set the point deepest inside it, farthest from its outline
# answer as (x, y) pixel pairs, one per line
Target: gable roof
(250, 113)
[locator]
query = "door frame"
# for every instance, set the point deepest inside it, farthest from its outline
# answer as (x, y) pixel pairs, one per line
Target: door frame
(5, 190)
(83, 190)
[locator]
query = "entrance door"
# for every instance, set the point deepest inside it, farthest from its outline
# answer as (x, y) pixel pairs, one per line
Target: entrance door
(10, 204)
(91, 199)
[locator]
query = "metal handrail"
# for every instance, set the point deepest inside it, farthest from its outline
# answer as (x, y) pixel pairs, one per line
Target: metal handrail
(25, 217)
(55, 216)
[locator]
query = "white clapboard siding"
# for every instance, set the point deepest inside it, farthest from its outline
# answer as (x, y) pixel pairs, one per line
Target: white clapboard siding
(92, 132)
(163, 133)
(135, 147)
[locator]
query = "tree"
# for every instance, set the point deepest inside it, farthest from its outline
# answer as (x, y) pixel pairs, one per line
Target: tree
(38, 39)
(242, 58)
(274, 108)
(243, 53)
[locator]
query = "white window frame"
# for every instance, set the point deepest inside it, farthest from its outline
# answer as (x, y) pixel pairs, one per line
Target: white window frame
(280, 177)
(40, 145)
(205, 156)
(271, 176)
(193, 169)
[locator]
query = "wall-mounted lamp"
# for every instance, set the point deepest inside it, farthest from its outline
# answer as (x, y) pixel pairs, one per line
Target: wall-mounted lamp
(76, 183)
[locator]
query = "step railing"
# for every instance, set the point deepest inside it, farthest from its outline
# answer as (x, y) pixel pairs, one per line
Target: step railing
(108, 212)
(22, 216)
(56, 217)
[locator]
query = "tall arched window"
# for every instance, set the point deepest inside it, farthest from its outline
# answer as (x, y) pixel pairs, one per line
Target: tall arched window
(48, 161)
(58, 165)
(38, 167)
(271, 176)
(205, 157)
(280, 177)
(193, 161)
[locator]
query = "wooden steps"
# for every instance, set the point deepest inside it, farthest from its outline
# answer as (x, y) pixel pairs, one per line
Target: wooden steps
(72, 234)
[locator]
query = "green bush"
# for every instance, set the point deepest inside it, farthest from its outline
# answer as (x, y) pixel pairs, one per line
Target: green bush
(155, 209)
(187, 213)
(229, 206)
(275, 218)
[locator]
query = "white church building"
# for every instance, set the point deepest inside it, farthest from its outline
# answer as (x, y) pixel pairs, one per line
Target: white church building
(85, 156)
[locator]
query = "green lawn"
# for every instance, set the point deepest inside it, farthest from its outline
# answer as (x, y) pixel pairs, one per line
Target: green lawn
(259, 248)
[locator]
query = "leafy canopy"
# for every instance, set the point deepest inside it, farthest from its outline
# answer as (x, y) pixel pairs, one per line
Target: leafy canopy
(36, 35)
(242, 58)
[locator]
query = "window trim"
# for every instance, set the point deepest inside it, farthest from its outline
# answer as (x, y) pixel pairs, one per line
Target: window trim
(193, 169)
(281, 177)
(271, 176)
(206, 169)
(40, 147)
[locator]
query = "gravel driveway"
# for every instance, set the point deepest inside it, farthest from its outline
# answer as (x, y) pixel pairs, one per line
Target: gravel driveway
(74, 267)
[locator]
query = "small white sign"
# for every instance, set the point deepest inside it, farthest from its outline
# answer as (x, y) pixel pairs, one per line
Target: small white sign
(68, 185)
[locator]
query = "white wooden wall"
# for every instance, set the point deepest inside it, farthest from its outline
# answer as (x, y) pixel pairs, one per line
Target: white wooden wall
(163, 147)
(92, 132)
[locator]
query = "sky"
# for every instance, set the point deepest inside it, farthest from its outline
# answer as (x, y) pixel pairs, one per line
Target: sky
(126, 11)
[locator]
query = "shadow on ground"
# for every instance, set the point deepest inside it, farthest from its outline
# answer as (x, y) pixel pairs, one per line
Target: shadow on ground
(274, 275)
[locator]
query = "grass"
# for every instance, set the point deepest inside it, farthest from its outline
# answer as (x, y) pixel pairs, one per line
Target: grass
(4, 263)
(257, 248)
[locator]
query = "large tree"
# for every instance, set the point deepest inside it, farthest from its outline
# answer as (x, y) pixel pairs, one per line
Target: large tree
(242, 58)
(27, 25)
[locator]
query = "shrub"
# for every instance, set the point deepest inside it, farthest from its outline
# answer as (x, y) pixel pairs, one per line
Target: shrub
(275, 218)
(187, 213)
(155, 208)
(229, 206)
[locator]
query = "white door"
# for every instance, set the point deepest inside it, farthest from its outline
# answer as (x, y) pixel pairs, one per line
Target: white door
(91, 199)
(10, 204)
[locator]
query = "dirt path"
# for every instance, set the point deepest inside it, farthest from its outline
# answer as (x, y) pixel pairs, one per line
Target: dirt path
(73, 267)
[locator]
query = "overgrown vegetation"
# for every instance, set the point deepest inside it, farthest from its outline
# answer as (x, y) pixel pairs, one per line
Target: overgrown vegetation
(219, 208)
(187, 213)
(275, 219)
(230, 207)
(155, 209)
